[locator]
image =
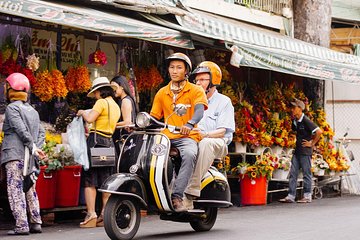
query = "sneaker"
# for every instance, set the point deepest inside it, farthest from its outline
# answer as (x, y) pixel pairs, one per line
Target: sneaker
(286, 200)
(304, 200)
(178, 205)
(16, 232)
(35, 228)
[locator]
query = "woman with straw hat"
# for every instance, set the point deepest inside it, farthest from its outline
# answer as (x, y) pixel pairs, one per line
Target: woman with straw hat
(103, 118)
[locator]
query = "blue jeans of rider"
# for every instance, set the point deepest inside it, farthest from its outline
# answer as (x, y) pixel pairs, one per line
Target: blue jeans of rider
(188, 149)
(297, 162)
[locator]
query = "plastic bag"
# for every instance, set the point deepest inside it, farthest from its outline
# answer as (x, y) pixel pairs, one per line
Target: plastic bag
(77, 141)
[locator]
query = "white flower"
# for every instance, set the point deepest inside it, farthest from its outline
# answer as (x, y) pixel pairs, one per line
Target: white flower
(32, 62)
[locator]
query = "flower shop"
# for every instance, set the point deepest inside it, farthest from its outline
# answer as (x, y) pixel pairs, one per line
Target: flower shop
(62, 61)
(263, 142)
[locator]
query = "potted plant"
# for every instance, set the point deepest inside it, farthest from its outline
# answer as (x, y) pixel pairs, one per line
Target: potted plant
(282, 167)
(46, 183)
(68, 177)
(253, 179)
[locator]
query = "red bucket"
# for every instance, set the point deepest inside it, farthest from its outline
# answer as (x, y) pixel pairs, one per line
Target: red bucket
(68, 186)
(253, 191)
(46, 188)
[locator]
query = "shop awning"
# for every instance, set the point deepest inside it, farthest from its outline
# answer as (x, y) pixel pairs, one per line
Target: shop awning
(93, 20)
(265, 49)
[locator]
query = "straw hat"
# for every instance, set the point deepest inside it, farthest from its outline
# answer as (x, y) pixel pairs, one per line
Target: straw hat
(99, 83)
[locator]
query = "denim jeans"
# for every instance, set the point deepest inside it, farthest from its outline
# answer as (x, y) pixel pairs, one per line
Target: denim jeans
(188, 149)
(297, 162)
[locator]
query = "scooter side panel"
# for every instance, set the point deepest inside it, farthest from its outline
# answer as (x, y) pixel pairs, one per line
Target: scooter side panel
(127, 183)
(215, 190)
(156, 165)
(131, 151)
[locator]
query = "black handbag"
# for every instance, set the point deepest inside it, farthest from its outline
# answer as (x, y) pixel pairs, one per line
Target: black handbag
(102, 156)
(31, 170)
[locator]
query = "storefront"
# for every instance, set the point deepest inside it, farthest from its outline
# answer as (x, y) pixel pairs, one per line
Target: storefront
(271, 67)
(64, 39)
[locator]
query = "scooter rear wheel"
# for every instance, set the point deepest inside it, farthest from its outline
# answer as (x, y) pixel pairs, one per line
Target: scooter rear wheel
(205, 224)
(121, 217)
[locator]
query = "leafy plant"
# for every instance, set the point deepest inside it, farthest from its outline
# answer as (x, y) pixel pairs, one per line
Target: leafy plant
(52, 163)
(261, 168)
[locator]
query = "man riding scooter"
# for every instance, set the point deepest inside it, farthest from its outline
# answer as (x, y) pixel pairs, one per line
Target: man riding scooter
(181, 91)
(216, 127)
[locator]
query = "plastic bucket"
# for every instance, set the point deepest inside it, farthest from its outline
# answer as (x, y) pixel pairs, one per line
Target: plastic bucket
(46, 188)
(253, 191)
(68, 186)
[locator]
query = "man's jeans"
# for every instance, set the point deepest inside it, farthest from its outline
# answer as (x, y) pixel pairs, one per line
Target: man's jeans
(297, 162)
(188, 149)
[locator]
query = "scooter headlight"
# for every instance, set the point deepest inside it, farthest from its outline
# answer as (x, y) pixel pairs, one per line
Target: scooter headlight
(143, 119)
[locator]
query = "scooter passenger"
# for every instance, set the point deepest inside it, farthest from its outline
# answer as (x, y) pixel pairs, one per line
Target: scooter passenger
(216, 127)
(181, 91)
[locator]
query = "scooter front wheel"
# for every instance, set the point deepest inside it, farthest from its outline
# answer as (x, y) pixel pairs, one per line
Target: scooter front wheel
(121, 217)
(206, 223)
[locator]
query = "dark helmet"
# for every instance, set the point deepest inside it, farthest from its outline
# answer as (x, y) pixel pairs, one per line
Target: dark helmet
(208, 67)
(182, 57)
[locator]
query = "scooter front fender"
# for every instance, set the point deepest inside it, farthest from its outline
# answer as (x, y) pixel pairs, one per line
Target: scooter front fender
(126, 184)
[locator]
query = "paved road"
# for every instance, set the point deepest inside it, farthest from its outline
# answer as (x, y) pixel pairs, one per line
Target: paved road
(330, 218)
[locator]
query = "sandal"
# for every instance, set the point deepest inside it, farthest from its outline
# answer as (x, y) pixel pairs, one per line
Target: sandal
(100, 221)
(89, 221)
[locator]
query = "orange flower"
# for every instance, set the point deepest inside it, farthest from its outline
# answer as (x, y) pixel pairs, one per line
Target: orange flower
(77, 79)
(148, 78)
(49, 85)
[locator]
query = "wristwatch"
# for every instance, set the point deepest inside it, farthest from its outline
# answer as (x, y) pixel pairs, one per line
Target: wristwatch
(192, 123)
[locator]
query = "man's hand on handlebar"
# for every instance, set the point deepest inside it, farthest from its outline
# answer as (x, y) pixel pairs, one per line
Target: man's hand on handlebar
(185, 130)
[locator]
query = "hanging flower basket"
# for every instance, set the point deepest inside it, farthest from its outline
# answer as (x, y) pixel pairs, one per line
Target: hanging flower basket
(98, 57)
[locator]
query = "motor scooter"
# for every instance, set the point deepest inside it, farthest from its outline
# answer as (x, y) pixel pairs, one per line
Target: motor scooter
(147, 165)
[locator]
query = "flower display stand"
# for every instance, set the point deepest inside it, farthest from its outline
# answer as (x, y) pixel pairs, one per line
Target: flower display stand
(68, 186)
(280, 174)
(46, 188)
(240, 147)
(260, 150)
(253, 191)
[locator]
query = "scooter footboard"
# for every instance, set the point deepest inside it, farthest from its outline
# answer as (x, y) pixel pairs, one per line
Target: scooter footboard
(125, 184)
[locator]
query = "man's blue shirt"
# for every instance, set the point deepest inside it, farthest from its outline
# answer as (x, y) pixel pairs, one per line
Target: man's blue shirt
(220, 114)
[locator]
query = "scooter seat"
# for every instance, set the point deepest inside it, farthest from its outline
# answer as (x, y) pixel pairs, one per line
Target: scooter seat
(174, 152)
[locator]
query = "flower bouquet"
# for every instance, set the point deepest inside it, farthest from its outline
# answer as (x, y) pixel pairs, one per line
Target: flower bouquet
(98, 57)
(319, 165)
(261, 168)
(282, 167)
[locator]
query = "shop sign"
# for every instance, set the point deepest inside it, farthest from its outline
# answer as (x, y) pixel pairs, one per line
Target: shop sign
(262, 49)
(93, 20)
(41, 46)
(292, 64)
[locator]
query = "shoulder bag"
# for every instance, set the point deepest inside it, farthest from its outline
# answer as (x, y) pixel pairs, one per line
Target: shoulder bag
(102, 156)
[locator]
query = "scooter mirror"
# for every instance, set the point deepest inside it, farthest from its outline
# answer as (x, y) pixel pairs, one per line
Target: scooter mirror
(180, 109)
